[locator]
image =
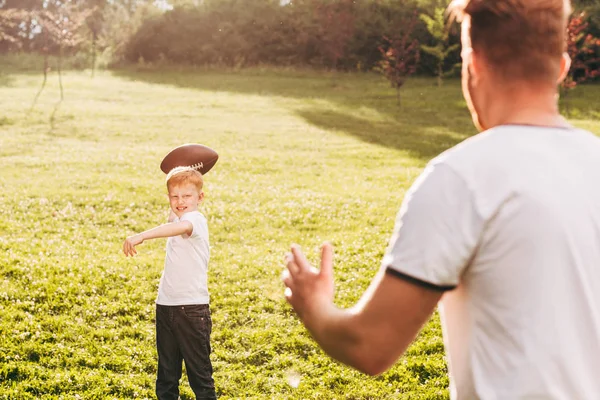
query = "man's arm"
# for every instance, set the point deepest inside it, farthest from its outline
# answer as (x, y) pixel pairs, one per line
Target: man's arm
(374, 333)
(165, 230)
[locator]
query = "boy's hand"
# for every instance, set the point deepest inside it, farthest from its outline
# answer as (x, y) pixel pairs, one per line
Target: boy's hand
(163, 231)
(130, 243)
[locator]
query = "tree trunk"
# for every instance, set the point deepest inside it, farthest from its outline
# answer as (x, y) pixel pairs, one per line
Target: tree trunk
(58, 70)
(94, 39)
(62, 97)
(43, 82)
(27, 43)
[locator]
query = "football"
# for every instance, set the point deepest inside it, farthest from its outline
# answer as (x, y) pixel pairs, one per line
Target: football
(193, 155)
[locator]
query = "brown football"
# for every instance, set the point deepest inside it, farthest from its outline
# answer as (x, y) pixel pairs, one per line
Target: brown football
(192, 155)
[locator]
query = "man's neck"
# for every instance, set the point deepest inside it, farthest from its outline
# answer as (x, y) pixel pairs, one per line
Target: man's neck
(523, 106)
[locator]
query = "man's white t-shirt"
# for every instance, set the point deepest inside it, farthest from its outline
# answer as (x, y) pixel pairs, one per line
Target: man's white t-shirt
(510, 221)
(184, 279)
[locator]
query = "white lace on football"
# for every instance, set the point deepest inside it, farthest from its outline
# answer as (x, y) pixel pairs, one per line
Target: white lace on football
(197, 166)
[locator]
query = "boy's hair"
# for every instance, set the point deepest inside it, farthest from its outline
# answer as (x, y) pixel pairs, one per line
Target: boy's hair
(183, 175)
(521, 39)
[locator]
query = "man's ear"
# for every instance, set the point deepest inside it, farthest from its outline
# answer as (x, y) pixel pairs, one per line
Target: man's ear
(201, 196)
(474, 66)
(471, 64)
(565, 65)
(466, 56)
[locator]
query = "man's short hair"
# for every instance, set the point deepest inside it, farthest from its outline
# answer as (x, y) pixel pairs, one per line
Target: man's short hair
(521, 39)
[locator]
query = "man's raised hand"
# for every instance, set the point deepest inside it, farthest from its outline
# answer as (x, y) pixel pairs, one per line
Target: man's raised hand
(308, 288)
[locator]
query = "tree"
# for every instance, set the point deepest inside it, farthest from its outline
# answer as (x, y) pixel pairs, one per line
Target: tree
(400, 56)
(94, 23)
(10, 20)
(436, 26)
(584, 50)
(17, 24)
(335, 22)
(60, 24)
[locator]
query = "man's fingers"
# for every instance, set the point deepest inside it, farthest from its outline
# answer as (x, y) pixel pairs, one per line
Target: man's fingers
(299, 258)
(291, 265)
(287, 293)
(286, 278)
(327, 260)
(288, 281)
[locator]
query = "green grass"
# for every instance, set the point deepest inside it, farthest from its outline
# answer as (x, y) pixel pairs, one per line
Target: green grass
(304, 157)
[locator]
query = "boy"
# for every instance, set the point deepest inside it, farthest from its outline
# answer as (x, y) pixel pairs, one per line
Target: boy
(183, 322)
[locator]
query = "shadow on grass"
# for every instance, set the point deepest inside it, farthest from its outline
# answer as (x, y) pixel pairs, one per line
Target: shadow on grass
(418, 140)
(429, 120)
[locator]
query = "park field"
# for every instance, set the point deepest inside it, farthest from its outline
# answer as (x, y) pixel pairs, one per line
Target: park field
(305, 157)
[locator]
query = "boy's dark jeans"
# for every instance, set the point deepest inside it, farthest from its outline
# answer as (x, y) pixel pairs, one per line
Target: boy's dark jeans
(183, 334)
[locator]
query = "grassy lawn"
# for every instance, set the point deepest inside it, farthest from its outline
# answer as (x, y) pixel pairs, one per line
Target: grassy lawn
(304, 157)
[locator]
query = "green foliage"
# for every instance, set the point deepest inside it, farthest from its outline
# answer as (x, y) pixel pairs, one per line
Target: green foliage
(592, 9)
(330, 34)
(304, 157)
(584, 50)
(339, 34)
(119, 24)
(439, 30)
(260, 32)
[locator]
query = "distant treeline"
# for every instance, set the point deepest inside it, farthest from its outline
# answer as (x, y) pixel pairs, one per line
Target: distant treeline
(332, 34)
(341, 34)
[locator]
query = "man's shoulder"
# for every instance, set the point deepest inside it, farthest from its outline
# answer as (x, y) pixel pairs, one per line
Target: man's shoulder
(482, 163)
(504, 145)
(482, 141)
(475, 150)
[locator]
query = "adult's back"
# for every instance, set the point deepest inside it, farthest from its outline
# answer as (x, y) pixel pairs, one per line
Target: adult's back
(525, 318)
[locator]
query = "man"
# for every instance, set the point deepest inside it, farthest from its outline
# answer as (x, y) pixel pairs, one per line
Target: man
(503, 230)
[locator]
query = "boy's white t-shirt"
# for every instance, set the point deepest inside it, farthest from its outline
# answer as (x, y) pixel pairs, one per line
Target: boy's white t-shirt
(510, 220)
(184, 278)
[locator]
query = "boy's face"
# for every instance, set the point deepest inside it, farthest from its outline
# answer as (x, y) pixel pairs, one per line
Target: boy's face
(184, 198)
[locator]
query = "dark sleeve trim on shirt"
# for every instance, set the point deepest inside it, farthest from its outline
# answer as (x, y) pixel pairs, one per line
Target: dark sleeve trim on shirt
(418, 282)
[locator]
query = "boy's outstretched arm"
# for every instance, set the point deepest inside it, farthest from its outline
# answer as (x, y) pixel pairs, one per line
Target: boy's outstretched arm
(165, 230)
